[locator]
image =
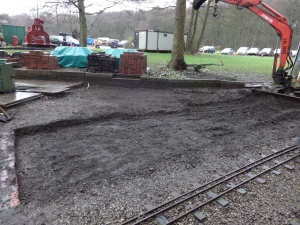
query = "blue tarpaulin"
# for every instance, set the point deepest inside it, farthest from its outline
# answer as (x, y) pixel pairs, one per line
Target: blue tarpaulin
(71, 56)
(117, 52)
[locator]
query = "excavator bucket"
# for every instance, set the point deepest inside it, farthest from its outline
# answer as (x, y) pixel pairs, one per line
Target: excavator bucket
(197, 4)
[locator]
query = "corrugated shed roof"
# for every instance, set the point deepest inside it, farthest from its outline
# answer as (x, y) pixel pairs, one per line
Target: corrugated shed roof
(3, 22)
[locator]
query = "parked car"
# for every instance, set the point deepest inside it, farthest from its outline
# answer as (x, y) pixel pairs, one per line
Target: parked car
(72, 40)
(242, 50)
(277, 51)
(89, 40)
(208, 49)
(103, 40)
(266, 52)
(113, 43)
(253, 51)
(227, 51)
(56, 40)
(293, 53)
(122, 43)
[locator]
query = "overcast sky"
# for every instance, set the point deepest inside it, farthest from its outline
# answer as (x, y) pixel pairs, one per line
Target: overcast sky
(17, 6)
(24, 6)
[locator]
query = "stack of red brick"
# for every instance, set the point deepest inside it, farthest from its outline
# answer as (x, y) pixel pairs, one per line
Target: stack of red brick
(132, 64)
(36, 59)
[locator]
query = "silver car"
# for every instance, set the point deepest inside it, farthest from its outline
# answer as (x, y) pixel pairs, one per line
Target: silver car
(253, 51)
(266, 52)
(227, 51)
(242, 50)
(208, 49)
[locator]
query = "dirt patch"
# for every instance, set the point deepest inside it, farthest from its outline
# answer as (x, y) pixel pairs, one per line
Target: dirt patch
(97, 154)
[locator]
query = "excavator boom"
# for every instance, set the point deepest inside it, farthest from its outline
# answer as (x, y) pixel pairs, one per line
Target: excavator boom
(282, 28)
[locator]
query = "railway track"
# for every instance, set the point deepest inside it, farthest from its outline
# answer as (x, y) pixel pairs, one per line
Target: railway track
(180, 207)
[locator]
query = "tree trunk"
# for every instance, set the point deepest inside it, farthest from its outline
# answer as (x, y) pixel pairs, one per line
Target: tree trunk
(194, 50)
(82, 22)
(190, 32)
(195, 27)
(177, 58)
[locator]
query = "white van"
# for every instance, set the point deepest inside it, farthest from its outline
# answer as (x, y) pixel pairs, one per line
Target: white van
(242, 50)
(103, 40)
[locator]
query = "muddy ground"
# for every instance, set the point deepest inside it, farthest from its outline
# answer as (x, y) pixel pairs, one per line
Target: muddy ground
(96, 155)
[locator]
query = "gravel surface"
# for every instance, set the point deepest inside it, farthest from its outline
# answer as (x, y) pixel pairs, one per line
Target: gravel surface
(207, 73)
(96, 155)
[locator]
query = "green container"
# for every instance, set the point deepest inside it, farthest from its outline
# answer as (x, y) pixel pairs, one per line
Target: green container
(7, 82)
(9, 31)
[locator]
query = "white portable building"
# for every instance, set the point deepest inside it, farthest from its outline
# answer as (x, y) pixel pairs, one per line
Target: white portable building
(154, 40)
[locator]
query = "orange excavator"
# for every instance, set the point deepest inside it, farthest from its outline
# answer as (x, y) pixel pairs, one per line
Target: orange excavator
(280, 24)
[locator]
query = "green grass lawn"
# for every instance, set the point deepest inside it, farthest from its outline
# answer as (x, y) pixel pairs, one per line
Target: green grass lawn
(235, 64)
(261, 66)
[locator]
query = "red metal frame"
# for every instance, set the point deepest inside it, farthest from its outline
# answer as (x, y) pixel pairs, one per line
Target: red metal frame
(36, 36)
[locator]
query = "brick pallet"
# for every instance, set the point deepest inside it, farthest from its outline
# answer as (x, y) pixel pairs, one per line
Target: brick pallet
(36, 59)
(4, 54)
(101, 62)
(132, 64)
(17, 59)
(17, 62)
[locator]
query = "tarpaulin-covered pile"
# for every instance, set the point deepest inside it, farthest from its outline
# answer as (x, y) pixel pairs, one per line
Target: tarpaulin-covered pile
(71, 56)
(117, 52)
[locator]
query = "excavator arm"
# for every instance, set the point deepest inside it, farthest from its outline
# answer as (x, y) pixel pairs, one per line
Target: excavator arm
(282, 28)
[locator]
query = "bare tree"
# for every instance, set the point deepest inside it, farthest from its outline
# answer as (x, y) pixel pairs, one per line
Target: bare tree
(80, 6)
(231, 28)
(197, 46)
(177, 58)
(191, 32)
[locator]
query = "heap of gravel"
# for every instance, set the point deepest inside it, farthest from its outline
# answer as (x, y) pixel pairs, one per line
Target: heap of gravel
(206, 73)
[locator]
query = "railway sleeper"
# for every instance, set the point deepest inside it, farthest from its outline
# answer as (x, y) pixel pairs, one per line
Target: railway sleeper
(273, 171)
(240, 190)
(285, 165)
(162, 220)
(295, 222)
(262, 181)
(199, 215)
(221, 201)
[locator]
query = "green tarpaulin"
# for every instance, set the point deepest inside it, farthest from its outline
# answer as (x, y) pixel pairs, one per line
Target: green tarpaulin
(71, 56)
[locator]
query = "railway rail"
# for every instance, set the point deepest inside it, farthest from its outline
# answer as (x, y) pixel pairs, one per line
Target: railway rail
(179, 207)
